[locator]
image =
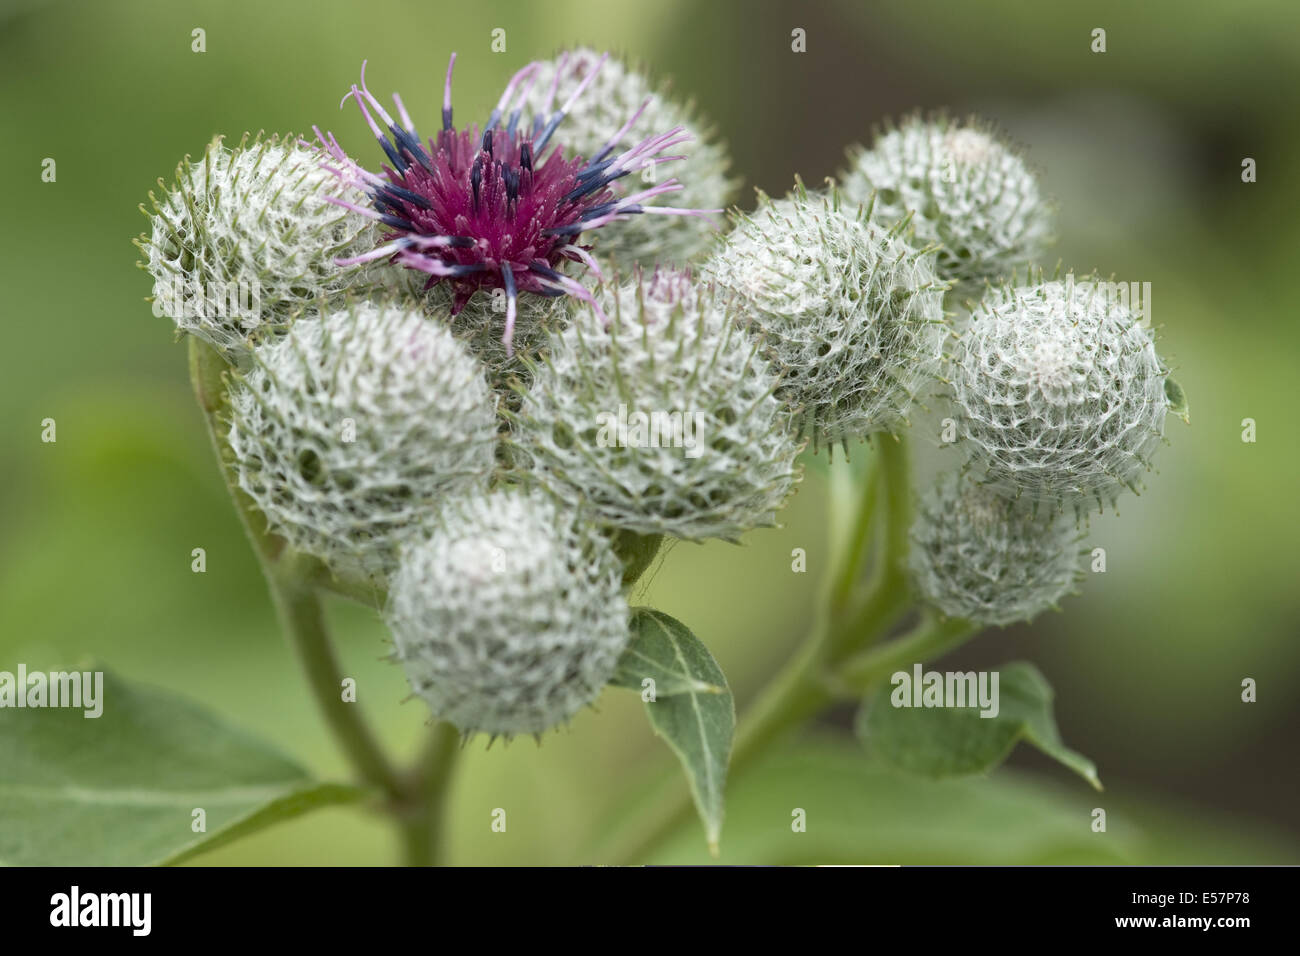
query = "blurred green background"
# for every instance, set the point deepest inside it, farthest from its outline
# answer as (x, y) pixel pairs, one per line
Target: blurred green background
(1141, 146)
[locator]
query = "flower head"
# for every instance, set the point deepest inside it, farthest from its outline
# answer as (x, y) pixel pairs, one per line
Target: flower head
(1060, 393)
(503, 207)
(965, 188)
(246, 237)
(851, 314)
(991, 559)
(348, 429)
(509, 618)
(665, 422)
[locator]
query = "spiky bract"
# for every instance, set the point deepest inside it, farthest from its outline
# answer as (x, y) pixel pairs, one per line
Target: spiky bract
(1059, 392)
(664, 422)
(509, 618)
(965, 188)
(850, 312)
(347, 431)
(246, 237)
(991, 559)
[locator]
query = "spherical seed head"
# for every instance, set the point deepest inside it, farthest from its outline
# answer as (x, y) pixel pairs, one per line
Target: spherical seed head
(509, 618)
(1060, 392)
(349, 429)
(617, 93)
(246, 237)
(990, 559)
(664, 422)
(850, 312)
(965, 187)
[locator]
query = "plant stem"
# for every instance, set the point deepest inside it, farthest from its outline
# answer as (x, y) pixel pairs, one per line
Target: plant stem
(355, 588)
(934, 636)
(803, 687)
(896, 477)
(292, 580)
(299, 609)
(422, 828)
(796, 694)
(887, 596)
(858, 543)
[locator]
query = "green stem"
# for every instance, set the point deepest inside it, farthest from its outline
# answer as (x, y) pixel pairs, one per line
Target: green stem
(299, 609)
(858, 543)
(292, 582)
(896, 476)
(803, 687)
(359, 589)
(888, 596)
(933, 637)
(797, 693)
(422, 827)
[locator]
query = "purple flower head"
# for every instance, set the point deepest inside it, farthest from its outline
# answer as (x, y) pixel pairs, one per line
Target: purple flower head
(498, 209)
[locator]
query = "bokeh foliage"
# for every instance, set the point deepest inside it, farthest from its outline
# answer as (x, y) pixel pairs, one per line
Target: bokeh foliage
(1142, 148)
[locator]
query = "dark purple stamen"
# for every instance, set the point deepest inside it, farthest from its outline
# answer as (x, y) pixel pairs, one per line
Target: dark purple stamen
(411, 145)
(405, 195)
(592, 212)
(600, 182)
(544, 270)
(496, 209)
(570, 230)
(394, 155)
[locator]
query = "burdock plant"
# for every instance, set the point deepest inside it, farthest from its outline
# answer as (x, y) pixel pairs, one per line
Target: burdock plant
(492, 372)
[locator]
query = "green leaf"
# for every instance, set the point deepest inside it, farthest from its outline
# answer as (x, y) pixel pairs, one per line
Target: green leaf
(120, 789)
(941, 742)
(1177, 400)
(697, 721)
(654, 653)
(857, 811)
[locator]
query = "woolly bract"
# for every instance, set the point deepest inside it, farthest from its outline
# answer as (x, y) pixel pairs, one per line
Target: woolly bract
(245, 237)
(509, 618)
(963, 186)
(348, 430)
(850, 313)
(1059, 392)
(664, 422)
(990, 559)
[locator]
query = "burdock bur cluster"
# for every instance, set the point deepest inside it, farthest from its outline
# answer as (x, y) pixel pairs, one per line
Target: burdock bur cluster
(447, 323)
